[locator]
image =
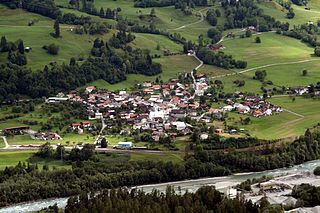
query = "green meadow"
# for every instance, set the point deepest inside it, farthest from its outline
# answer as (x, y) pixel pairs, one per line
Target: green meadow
(12, 158)
(285, 124)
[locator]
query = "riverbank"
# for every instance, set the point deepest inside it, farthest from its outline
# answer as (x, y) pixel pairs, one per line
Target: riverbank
(221, 183)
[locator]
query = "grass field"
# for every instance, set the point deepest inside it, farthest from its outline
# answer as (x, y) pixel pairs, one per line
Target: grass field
(284, 124)
(175, 158)
(150, 41)
(12, 158)
(68, 139)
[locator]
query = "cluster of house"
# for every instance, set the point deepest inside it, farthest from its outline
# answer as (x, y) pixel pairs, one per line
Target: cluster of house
(80, 126)
(311, 89)
(20, 130)
(156, 108)
(46, 136)
(251, 105)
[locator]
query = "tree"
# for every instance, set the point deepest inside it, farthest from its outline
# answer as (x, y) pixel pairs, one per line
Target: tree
(102, 13)
(158, 47)
(153, 12)
(56, 27)
(53, 49)
(72, 61)
(304, 72)
(260, 75)
(20, 46)
(290, 14)
(3, 44)
(258, 40)
(317, 51)
(45, 151)
(215, 34)
(248, 33)
(104, 143)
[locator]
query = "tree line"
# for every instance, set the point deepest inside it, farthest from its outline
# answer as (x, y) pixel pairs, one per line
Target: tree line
(206, 199)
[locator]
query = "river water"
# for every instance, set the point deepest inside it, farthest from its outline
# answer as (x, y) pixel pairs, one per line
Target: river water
(188, 185)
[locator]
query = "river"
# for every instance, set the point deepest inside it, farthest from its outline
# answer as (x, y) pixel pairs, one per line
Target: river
(191, 185)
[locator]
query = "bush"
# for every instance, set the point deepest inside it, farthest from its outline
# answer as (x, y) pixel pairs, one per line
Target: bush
(53, 49)
(317, 51)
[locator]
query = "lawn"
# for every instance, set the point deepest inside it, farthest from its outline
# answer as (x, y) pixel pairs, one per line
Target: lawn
(284, 124)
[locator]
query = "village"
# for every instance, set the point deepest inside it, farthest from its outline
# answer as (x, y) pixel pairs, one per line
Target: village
(162, 109)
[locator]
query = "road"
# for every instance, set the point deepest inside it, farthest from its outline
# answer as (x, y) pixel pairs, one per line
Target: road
(69, 148)
(294, 113)
(101, 131)
(5, 142)
(197, 22)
